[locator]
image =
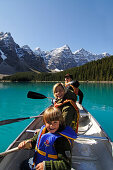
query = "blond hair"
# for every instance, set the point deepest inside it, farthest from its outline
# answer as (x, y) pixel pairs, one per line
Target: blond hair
(53, 114)
(57, 85)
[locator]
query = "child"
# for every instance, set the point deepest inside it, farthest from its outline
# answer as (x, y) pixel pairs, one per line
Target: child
(66, 102)
(53, 145)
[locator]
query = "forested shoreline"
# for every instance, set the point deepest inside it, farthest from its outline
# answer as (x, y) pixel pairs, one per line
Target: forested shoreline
(100, 70)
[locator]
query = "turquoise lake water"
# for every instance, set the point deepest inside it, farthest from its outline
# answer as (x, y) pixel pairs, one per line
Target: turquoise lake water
(98, 100)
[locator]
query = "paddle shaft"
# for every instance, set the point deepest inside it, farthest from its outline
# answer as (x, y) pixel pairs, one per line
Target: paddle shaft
(92, 137)
(9, 151)
(81, 136)
(32, 95)
(9, 121)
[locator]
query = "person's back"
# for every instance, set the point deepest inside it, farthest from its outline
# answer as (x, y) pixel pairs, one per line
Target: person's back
(74, 86)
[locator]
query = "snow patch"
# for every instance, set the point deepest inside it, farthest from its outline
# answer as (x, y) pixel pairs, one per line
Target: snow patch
(3, 56)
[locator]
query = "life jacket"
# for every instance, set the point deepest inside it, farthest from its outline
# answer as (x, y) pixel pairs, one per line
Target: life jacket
(67, 84)
(75, 89)
(44, 150)
(75, 124)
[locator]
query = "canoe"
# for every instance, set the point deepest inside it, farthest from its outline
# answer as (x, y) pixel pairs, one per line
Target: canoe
(92, 150)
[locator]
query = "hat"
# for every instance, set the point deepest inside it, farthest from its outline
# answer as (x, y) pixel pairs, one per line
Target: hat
(69, 75)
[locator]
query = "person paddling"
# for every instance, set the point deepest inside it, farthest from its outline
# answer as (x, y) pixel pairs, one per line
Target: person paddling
(52, 144)
(74, 86)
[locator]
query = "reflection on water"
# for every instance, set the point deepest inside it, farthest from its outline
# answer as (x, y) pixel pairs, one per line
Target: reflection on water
(99, 102)
(100, 93)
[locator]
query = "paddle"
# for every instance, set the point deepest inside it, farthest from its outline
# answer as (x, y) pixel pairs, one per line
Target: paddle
(78, 136)
(35, 95)
(81, 136)
(2, 154)
(92, 137)
(9, 121)
(9, 151)
(32, 95)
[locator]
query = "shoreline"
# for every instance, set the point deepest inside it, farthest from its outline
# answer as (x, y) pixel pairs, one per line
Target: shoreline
(3, 81)
(86, 81)
(3, 75)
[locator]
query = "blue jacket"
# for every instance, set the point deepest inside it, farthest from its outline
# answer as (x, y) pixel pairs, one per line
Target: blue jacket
(44, 150)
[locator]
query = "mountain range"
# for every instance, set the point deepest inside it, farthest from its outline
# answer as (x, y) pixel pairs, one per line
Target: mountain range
(14, 58)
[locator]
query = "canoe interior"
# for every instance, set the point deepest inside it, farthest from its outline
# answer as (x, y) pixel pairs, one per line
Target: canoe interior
(87, 154)
(13, 160)
(92, 154)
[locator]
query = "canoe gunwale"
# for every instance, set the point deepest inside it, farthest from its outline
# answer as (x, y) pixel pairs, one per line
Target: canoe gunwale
(80, 158)
(24, 131)
(105, 134)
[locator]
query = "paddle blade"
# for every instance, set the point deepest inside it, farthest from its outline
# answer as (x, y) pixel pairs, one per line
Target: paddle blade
(34, 95)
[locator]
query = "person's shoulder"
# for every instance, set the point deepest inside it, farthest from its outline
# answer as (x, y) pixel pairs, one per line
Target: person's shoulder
(70, 95)
(42, 127)
(75, 83)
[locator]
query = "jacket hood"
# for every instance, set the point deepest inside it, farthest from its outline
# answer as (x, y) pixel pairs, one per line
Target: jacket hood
(70, 95)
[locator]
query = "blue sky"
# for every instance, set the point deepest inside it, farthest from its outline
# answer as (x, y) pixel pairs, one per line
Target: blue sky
(50, 24)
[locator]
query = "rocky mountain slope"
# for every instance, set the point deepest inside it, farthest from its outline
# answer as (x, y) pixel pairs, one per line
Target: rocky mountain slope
(14, 58)
(59, 58)
(63, 58)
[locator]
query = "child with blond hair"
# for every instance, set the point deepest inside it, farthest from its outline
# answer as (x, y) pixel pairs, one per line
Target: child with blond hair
(65, 100)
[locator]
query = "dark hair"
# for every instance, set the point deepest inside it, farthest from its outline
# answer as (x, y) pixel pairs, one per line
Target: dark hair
(69, 75)
(76, 84)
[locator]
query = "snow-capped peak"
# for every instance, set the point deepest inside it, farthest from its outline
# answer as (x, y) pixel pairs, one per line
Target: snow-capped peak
(5, 35)
(27, 48)
(83, 52)
(65, 50)
(37, 49)
(1, 34)
(65, 47)
(6, 38)
(106, 54)
(39, 52)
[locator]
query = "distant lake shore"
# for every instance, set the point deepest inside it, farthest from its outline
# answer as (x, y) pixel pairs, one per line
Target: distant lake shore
(87, 81)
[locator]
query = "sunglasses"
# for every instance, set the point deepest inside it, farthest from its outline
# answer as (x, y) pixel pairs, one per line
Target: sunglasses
(67, 77)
